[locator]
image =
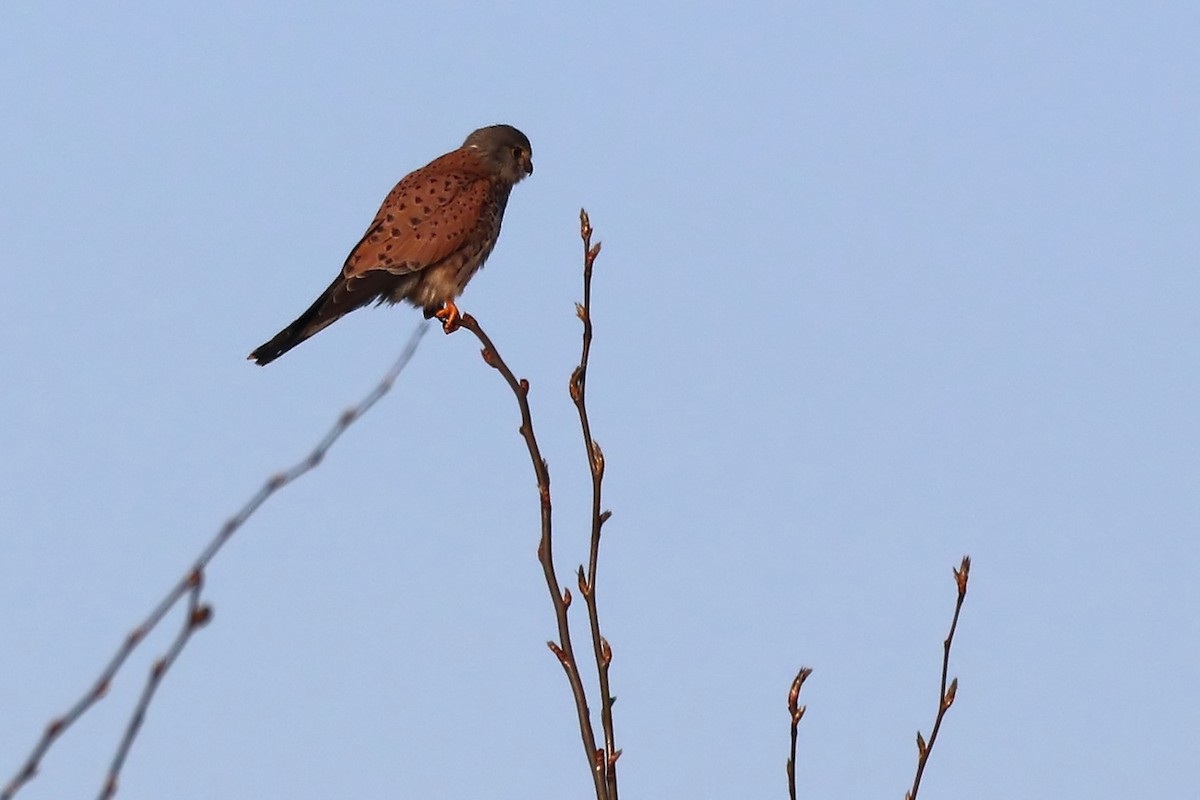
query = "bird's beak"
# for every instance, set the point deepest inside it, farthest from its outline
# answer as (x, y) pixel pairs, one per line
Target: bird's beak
(527, 165)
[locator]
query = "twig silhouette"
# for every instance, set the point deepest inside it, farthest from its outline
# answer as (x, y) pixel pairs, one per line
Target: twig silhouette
(595, 456)
(197, 616)
(190, 585)
(946, 694)
(602, 761)
(796, 712)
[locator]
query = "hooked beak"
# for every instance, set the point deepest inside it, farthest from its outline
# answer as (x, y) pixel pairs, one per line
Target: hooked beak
(527, 165)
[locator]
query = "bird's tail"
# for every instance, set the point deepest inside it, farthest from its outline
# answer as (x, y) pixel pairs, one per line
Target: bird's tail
(335, 302)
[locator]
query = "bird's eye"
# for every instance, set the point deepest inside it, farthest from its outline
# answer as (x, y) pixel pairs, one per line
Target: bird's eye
(516, 151)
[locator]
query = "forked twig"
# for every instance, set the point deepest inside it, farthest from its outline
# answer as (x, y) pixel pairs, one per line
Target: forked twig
(796, 712)
(946, 694)
(197, 617)
(190, 585)
(602, 761)
(563, 649)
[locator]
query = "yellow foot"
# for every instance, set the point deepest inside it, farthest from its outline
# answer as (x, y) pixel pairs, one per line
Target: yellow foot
(449, 316)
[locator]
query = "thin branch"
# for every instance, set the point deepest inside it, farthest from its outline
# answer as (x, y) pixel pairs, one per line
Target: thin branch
(946, 694)
(595, 456)
(561, 598)
(796, 711)
(197, 617)
(188, 583)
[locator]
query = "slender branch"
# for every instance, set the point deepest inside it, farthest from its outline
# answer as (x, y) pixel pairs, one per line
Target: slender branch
(946, 694)
(796, 711)
(190, 581)
(595, 456)
(561, 598)
(197, 616)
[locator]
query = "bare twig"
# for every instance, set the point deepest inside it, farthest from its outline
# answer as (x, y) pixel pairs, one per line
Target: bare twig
(946, 694)
(595, 457)
(561, 598)
(796, 711)
(197, 616)
(190, 583)
(602, 761)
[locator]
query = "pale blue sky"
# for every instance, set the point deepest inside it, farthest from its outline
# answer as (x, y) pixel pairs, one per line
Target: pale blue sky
(882, 284)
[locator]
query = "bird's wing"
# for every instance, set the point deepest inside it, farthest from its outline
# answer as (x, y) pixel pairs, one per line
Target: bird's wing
(428, 216)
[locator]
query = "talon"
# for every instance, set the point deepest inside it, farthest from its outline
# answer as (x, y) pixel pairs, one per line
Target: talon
(449, 316)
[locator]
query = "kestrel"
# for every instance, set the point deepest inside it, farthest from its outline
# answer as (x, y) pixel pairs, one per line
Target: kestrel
(432, 233)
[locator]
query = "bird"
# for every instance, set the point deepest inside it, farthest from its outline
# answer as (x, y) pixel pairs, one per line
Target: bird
(433, 232)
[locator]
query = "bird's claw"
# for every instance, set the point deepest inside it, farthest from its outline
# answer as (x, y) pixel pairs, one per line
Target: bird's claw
(451, 319)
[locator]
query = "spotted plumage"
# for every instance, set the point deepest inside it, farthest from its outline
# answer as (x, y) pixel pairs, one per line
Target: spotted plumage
(432, 233)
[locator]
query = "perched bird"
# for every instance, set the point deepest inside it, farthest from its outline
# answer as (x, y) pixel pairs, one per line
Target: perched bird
(433, 231)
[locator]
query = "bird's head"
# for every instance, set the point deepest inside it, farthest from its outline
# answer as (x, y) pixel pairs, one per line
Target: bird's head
(505, 149)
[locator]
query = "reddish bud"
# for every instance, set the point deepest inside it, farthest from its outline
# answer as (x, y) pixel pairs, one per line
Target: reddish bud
(948, 700)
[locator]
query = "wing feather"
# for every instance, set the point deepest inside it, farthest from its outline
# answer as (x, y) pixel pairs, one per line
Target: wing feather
(424, 219)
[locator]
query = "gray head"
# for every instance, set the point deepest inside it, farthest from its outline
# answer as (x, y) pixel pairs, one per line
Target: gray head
(505, 149)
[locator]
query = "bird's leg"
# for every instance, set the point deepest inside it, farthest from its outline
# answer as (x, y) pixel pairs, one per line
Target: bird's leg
(449, 316)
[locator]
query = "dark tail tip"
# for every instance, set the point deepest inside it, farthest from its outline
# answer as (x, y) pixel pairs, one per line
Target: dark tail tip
(260, 357)
(285, 340)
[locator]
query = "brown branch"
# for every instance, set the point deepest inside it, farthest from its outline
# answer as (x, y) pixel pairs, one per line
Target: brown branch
(189, 584)
(946, 694)
(796, 712)
(197, 617)
(561, 598)
(595, 457)
(602, 761)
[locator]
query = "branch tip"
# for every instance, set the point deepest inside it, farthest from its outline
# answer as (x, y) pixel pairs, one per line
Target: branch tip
(947, 691)
(797, 685)
(961, 575)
